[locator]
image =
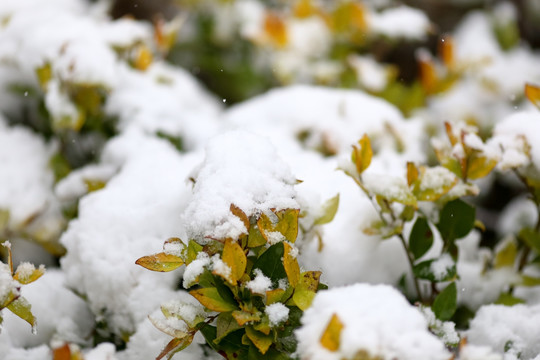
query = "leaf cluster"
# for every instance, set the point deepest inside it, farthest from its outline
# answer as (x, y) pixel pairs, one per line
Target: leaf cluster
(240, 322)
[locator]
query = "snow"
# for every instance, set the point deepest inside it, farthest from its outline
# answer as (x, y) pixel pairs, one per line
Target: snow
(496, 325)
(243, 169)
(401, 21)
(376, 319)
(260, 284)
(277, 313)
(440, 267)
(195, 268)
(7, 284)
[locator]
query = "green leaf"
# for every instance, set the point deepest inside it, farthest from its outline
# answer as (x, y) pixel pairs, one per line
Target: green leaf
(270, 263)
(255, 238)
(193, 249)
(456, 220)
(306, 289)
(22, 309)
(226, 324)
(211, 299)
(531, 238)
(424, 271)
(529, 281)
(506, 256)
(445, 303)
(260, 340)
(507, 299)
(421, 238)
(160, 262)
(329, 210)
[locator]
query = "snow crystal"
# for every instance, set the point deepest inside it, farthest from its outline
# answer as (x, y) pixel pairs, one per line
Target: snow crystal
(496, 325)
(195, 268)
(243, 169)
(377, 319)
(277, 313)
(260, 284)
(439, 268)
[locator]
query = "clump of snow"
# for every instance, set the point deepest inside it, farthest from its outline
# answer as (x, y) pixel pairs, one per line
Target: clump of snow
(243, 169)
(376, 319)
(277, 313)
(445, 330)
(187, 311)
(25, 270)
(195, 268)
(391, 187)
(497, 326)
(260, 284)
(74, 185)
(521, 212)
(372, 75)
(220, 268)
(104, 351)
(474, 352)
(436, 178)
(440, 267)
(402, 21)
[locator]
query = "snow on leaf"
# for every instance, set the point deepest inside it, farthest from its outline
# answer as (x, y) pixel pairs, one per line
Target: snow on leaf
(244, 317)
(26, 273)
(331, 336)
(291, 265)
(434, 183)
(239, 213)
(329, 210)
(161, 262)
(211, 299)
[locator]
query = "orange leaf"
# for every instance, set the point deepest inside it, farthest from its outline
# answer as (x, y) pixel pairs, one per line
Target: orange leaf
(62, 353)
(446, 50)
(275, 29)
(239, 213)
(532, 92)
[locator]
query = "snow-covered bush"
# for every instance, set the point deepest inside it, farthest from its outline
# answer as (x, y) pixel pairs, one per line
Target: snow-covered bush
(394, 158)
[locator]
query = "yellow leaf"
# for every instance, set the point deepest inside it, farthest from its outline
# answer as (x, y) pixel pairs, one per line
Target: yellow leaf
(506, 256)
(260, 340)
(532, 92)
(362, 154)
(434, 183)
(210, 298)
(94, 185)
(160, 262)
(235, 258)
(174, 346)
(273, 296)
(331, 336)
(412, 173)
(479, 166)
(44, 75)
(287, 224)
(450, 133)
(143, 58)
(244, 317)
(306, 289)
(303, 9)
(275, 29)
(239, 213)
(291, 265)
(26, 275)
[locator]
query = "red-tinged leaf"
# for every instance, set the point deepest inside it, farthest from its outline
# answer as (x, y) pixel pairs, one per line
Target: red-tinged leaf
(532, 92)
(239, 213)
(210, 298)
(174, 346)
(160, 262)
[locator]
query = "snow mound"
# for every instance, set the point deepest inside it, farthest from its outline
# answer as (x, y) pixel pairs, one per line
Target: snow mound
(376, 319)
(243, 169)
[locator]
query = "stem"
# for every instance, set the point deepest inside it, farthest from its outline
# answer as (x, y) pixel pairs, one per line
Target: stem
(411, 264)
